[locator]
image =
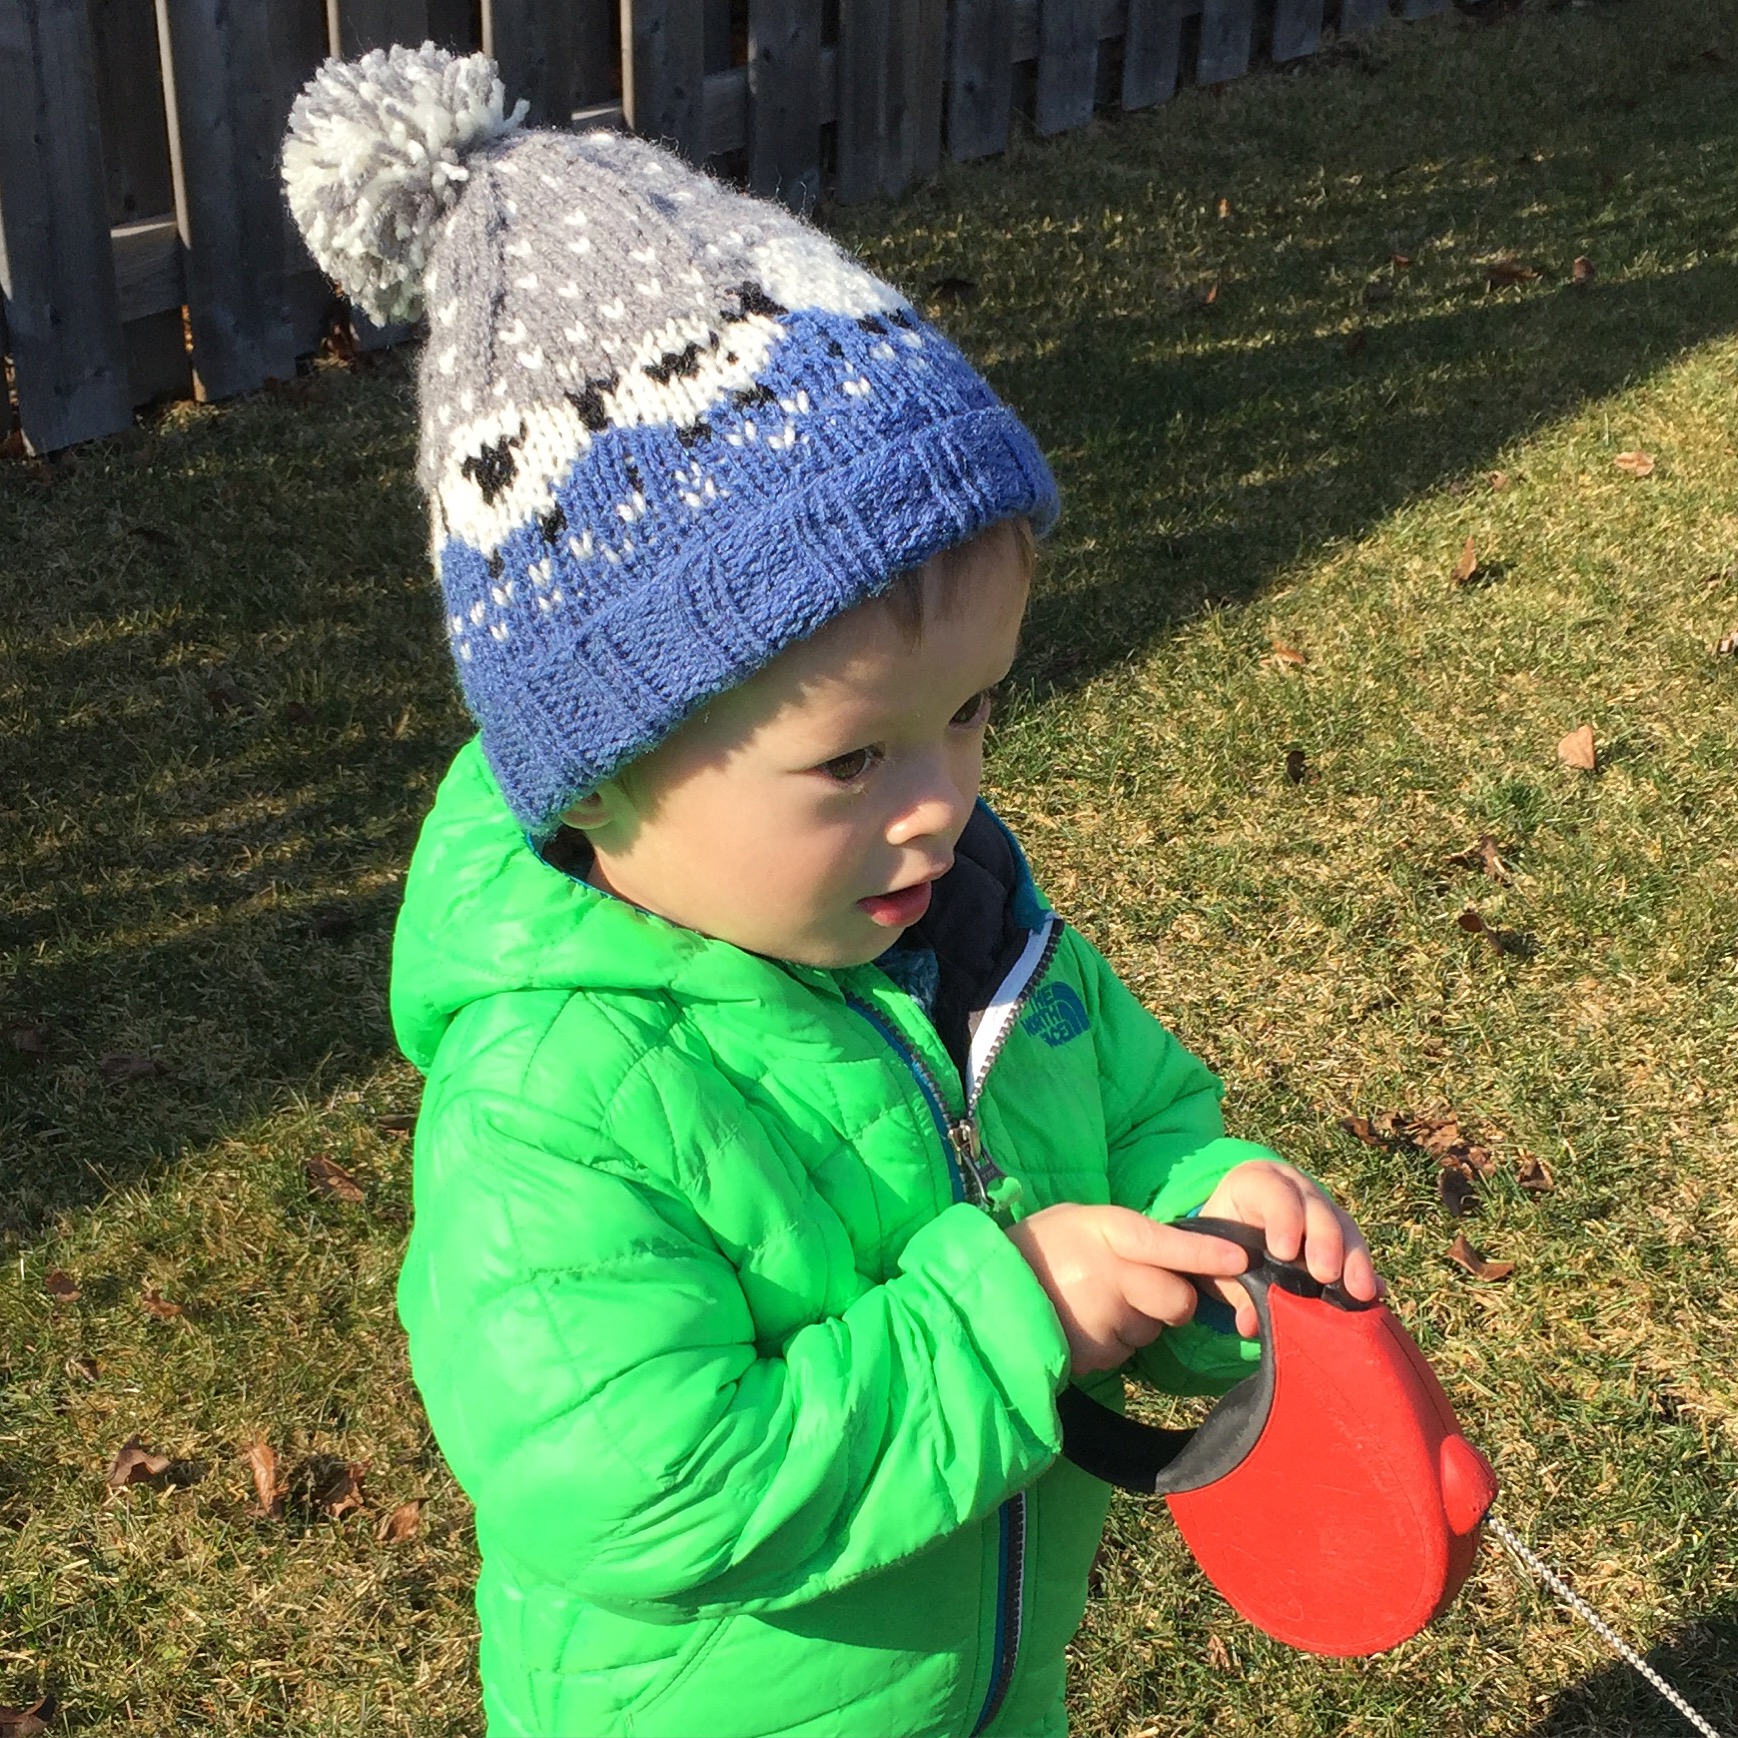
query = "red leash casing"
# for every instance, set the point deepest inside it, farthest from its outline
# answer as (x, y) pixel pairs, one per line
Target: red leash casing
(1361, 1480)
(1330, 1497)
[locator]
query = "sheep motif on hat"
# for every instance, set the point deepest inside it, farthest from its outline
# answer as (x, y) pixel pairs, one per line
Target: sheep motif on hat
(666, 428)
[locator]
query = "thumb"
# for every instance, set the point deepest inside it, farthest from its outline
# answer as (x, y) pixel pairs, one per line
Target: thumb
(1135, 1237)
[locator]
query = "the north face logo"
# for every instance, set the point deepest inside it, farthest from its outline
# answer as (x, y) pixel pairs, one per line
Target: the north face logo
(1055, 1014)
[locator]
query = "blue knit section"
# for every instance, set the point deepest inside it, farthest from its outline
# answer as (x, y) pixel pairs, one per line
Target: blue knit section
(678, 562)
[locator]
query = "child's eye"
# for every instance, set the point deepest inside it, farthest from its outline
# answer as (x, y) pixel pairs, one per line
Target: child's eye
(848, 768)
(977, 709)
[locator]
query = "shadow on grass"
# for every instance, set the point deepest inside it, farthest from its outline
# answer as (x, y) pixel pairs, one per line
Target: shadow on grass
(1204, 474)
(1617, 1702)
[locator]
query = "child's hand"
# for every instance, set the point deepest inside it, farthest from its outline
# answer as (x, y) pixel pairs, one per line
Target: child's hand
(1298, 1221)
(1116, 1277)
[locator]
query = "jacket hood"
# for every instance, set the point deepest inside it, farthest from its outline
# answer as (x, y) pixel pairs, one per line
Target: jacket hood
(484, 914)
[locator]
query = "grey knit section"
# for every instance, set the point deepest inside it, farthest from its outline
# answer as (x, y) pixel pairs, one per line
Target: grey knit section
(592, 281)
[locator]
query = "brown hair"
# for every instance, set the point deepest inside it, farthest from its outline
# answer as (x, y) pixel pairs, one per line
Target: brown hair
(903, 597)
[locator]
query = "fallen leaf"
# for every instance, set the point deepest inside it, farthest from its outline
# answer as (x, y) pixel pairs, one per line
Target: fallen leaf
(1533, 1174)
(262, 1461)
(1728, 644)
(1471, 922)
(27, 1722)
(1484, 855)
(1363, 1129)
(1637, 464)
(60, 1285)
(1583, 272)
(1401, 262)
(1466, 568)
(1211, 296)
(1288, 657)
(31, 1042)
(1456, 1191)
(1436, 1134)
(327, 1177)
(396, 1122)
(1444, 1139)
(157, 1305)
(340, 1489)
(339, 341)
(1501, 274)
(1296, 765)
(1499, 480)
(1218, 1653)
(128, 1065)
(1224, 208)
(402, 1523)
(1476, 1263)
(1577, 749)
(134, 1464)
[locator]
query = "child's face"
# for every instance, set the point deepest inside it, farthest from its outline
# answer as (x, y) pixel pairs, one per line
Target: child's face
(804, 814)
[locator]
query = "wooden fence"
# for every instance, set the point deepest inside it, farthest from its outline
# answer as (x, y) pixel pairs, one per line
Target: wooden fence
(145, 251)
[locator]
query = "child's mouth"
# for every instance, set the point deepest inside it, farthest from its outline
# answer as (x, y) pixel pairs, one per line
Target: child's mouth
(897, 910)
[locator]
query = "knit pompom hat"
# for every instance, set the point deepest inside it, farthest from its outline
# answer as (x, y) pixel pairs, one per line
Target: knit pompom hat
(666, 429)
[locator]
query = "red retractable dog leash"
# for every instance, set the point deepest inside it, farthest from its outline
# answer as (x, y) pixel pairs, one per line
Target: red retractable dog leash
(1330, 1496)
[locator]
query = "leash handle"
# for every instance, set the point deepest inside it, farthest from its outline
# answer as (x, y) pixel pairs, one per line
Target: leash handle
(1157, 1462)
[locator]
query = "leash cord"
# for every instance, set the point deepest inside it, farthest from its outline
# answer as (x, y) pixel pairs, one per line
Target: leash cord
(1581, 1608)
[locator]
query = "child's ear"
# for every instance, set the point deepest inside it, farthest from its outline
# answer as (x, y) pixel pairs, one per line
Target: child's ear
(599, 808)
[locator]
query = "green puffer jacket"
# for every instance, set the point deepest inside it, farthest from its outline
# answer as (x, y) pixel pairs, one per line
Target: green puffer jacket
(713, 1319)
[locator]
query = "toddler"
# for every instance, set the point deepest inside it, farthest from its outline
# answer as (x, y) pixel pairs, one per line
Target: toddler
(783, 1155)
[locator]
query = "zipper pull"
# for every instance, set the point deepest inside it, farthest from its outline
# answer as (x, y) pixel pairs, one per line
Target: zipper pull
(987, 1184)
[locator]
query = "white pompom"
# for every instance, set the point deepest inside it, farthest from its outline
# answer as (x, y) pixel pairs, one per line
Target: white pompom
(374, 158)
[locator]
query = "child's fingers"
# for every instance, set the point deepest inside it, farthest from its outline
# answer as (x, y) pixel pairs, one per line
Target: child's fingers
(1163, 1297)
(1324, 1237)
(1359, 1277)
(1137, 1238)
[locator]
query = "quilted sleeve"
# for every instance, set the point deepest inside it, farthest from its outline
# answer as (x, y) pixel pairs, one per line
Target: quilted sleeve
(1168, 1149)
(588, 1358)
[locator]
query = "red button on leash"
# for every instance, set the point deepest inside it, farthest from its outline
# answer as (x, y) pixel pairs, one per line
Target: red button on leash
(1330, 1496)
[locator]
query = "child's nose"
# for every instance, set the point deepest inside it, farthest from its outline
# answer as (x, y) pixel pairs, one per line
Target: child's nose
(937, 807)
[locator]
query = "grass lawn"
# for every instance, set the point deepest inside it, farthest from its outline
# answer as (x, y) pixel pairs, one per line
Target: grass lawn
(1258, 732)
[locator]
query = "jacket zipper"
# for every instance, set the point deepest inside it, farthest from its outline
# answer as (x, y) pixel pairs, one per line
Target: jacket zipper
(976, 1178)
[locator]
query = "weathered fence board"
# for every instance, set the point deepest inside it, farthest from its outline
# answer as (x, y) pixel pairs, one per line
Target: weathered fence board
(1152, 52)
(1227, 32)
(63, 320)
(451, 25)
(141, 193)
(1297, 28)
(355, 26)
(890, 61)
(226, 122)
(664, 72)
(980, 92)
(784, 108)
(1067, 64)
(558, 57)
